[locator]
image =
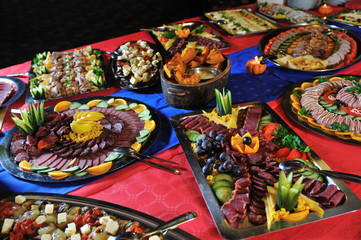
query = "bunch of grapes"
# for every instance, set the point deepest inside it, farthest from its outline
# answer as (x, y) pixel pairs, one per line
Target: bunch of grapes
(213, 145)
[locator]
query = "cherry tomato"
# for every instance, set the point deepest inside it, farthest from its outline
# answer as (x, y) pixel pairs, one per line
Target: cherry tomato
(164, 39)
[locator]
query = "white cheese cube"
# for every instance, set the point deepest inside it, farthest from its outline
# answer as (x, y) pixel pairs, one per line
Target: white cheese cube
(62, 217)
(41, 219)
(7, 225)
(104, 220)
(85, 230)
(49, 208)
(45, 237)
(71, 229)
(75, 237)
(112, 227)
(19, 199)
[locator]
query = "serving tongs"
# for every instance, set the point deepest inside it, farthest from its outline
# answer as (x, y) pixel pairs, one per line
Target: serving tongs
(186, 217)
(132, 153)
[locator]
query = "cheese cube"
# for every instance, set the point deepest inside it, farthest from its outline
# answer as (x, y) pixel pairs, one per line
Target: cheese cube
(40, 220)
(62, 217)
(71, 229)
(19, 199)
(75, 237)
(45, 237)
(104, 220)
(49, 208)
(112, 227)
(85, 230)
(7, 225)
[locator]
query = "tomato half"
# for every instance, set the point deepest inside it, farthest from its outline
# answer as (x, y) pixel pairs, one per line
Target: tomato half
(330, 96)
(352, 111)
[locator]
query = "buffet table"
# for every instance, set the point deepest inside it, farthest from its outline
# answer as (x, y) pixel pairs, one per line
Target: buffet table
(163, 195)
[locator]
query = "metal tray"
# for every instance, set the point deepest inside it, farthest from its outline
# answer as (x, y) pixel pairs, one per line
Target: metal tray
(333, 18)
(111, 208)
(29, 98)
(351, 204)
(224, 31)
(123, 81)
(265, 39)
(289, 110)
(13, 168)
(20, 88)
(168, 55)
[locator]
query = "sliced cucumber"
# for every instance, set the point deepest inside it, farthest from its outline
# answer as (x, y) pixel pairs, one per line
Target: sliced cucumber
(80, 174)
(132, 105)
(195, 138)
(72, 169)
(74, 105)
(357, 118)
(113, 156)
(110, 101)
(35, 167)
(142, 139)
(82, 170)
(46, 170)
(223, 176)
(222, 183)
(224, 194)
(103, 104)
(340, 112)
(84, 107)
(332, 108)
(190, 133)
(144, 113)
(144, 132)
(121, 107)
(146, 118)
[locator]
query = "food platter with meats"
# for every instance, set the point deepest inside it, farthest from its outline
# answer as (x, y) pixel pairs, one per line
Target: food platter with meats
(237, 169)
(311, 48)
(76, 139)
(10, 90)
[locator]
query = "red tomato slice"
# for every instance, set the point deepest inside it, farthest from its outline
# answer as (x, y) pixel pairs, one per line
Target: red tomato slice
(330, 96)
(293, 154)
(352, 111)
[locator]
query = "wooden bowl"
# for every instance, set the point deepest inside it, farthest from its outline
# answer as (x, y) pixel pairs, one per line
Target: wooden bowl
(194, 96)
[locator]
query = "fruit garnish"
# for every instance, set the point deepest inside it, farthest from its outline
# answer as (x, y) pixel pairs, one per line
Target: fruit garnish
(150, 125)
(25, 165)
(31, 120)
(100, 169)
(84, 122)
(58, 174)
(62, 106)
(245, 144)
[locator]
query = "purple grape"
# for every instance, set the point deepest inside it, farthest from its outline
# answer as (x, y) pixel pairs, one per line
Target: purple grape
(213, 133)
(236, 171)
(227, 165)
(224, 157)
(220, 138)
(207, 169)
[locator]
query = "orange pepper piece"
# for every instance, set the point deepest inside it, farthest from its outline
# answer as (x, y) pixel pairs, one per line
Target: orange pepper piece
(295, 217)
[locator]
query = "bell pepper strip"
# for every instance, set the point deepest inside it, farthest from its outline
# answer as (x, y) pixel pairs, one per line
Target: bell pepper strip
(293, 154)
(330, 96)
(352, 111)
(269, 130)
(295, 217)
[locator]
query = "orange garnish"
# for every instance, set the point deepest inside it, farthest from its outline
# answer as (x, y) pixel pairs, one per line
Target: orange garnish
(25, 166)
(295, 217)
(118, 101)
(150, 125)
(100, 169)
(238, 145)
(62, 106)
(183, 32)
(58, 174)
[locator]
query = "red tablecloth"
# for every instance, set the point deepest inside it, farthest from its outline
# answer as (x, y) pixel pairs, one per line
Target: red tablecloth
(164, 195)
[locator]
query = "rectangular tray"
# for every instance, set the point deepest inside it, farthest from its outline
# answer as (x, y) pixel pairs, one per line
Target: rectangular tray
(352, 202)
(108, 83)
(334, 18)
(221, 27)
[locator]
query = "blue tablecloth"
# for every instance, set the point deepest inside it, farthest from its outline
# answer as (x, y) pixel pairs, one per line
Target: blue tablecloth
(243, 85)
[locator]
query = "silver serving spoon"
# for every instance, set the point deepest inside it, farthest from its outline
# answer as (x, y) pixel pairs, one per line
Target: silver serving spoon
(137, 155)
(294, 165)
(29, 74)
(161, 228)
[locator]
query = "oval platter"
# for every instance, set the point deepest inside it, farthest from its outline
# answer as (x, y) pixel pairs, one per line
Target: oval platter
(265, 40)
(20, 88)
(13, 168)
(308, 123)
(118, 211)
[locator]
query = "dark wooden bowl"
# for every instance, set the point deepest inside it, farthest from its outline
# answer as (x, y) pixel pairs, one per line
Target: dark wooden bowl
(194, 96)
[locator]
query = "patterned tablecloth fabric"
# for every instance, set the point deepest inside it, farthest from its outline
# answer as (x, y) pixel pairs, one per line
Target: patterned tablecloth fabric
(163, 195)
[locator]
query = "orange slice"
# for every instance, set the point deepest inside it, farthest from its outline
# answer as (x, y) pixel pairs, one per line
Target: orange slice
(295, 98)
(94, 102)
(136, 146)
(25, 166)
(150, 125)
(356, 136)
(62, 106)
(307, 85)
(100, 169)
(336, 79)
(118, 101)
(295, 217)
(139, 108)
(58, 174)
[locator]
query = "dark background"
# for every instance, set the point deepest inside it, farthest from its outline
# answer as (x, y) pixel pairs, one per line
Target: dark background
(30, 27)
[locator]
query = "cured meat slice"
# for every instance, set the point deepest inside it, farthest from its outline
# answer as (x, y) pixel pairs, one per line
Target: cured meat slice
(5, 91)
(252, 118)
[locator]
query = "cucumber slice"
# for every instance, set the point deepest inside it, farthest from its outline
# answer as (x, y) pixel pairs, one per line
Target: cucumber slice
(142, 139)
(224, 194)
(195, 137)
(222, 183)
(132, 105)
(146, 118)
(357, 118)
(349, 116)
(84, 107)
(82, 170)
(340, 112)
(80, 174)
(103, 104)
(46, 170)
(332, 107)
(144, 132)
(110, 101)
(35, 167)
(113, 156)
(72, 169)
(322, 102)
(74, 105)
(121, 107)
(144, 113)
(223, 176)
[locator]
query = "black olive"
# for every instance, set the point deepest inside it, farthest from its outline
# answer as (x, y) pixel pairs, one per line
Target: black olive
(337, 102)
(247, 140)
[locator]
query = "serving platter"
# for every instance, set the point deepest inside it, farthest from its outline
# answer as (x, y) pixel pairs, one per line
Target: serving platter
(118, 211)
(165, 37)
(123, 81)
(280, 15)
(349, 17)
(18, 91)
(240, 22)
(246, 229)
(13, 168)
(272, 35)
(67, 71)
(292, 105)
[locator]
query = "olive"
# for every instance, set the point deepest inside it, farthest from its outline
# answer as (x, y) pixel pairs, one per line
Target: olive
(247, 140)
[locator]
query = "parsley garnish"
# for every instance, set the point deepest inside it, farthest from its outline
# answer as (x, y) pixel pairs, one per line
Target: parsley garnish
(200, 29)
(98, 71)
(67, 82)
(304, 111)
(169, 35)
(280, 11)
(322, 79)
(282, 137)
(297, 93)
(342, 128)
(356, 88)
